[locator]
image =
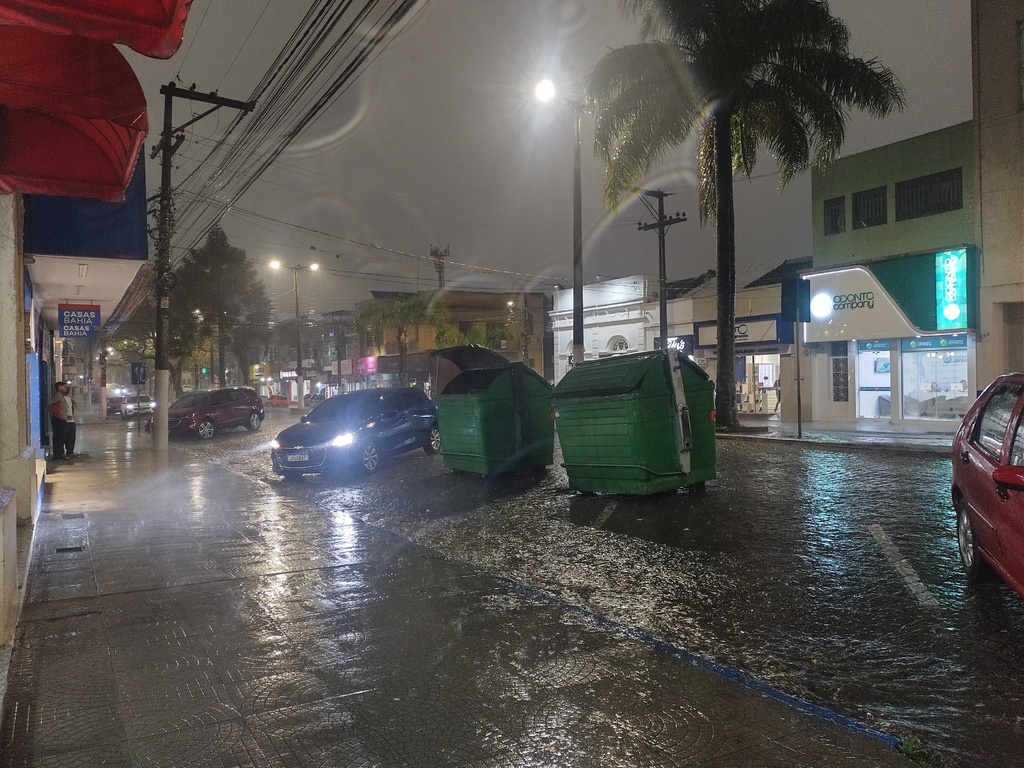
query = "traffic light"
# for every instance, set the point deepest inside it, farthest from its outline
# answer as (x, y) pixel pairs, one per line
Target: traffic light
(204, 370)
(796, 300)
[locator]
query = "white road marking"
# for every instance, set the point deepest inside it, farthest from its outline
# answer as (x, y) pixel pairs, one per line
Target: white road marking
(903, 568)
(603, 517)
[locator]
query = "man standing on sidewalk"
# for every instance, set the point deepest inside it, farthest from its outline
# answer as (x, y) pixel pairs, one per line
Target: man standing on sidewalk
(62, 417)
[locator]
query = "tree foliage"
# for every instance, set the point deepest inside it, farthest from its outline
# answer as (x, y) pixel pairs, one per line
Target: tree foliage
(740, 75)
(218, 295)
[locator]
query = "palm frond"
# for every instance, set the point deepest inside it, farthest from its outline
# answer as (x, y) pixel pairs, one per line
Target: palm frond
(643, 104)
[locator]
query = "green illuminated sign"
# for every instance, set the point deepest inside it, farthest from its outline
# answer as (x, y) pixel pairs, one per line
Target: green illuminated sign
(934, 342)
(951, 289)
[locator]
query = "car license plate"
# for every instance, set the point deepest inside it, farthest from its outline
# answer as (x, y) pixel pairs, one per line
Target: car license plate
(297, 457)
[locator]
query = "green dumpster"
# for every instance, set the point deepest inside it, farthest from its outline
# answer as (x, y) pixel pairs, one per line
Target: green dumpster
(636, 424)
(494, 415)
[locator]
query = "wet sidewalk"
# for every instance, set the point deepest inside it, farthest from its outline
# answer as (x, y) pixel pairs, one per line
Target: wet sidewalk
(880, 434)
(179, 613)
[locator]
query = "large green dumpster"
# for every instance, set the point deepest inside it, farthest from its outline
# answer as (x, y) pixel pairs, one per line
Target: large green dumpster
(494, 415)
(636, 424)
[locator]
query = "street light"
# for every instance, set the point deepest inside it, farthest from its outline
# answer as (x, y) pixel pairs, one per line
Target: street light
(545, 92)
(299, 381)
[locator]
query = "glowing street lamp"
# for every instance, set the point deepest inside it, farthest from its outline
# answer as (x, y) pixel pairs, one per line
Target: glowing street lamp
(300, 382)
(545, 92)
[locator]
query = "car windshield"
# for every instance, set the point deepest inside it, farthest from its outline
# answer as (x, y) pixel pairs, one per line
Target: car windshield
(344, 408)
(191, 400)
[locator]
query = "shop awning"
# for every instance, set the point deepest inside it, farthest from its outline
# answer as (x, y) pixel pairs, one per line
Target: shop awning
(151, 27)
(80, 228)
(72, 115)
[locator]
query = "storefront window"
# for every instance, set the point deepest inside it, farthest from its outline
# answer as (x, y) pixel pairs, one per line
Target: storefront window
(934, 380)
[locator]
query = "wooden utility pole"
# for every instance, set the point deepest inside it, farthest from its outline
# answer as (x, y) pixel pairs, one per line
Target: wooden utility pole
(170, 139)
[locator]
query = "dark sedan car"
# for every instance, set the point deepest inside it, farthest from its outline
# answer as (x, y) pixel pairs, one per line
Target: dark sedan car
(359, 429)
(207, 411)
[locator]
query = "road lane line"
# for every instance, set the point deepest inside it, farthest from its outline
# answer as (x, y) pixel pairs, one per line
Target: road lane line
(603, 517)
(903, 568)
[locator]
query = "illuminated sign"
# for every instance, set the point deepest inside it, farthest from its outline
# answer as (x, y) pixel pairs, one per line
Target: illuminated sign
(934, 342)
(824, 304)
(951, 289)
(78, 320)
(881, 345)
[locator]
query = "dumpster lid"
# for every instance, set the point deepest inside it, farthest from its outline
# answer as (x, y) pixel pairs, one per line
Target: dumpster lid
(473, 357)
(617, 375)
(609, 375)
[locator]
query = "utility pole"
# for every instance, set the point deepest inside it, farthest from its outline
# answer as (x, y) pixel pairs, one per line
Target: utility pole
(439, 256)
(662, 225)
(170, 139)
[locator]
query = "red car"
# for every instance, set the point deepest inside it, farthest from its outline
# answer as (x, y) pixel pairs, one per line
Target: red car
(988, 483)
(277, 400)
(206, 412)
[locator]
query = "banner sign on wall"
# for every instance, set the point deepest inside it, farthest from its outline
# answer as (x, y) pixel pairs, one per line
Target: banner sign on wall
(78, 320)
(879, 345)
(951, 289)
(934, 342)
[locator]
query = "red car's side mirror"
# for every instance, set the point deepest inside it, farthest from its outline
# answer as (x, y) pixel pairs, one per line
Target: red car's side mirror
(1009, 477)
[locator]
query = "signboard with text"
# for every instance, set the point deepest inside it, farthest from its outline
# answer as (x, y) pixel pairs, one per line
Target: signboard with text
(951, 290)
(933, 342)
(78, 320)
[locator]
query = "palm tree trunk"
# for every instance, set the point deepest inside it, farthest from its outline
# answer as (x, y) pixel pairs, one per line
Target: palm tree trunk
(725, 219)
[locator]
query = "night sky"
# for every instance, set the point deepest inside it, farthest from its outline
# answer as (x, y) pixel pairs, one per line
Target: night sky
(440, 142)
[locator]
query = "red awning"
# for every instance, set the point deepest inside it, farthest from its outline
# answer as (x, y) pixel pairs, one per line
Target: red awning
(72, 115)
(151, 27)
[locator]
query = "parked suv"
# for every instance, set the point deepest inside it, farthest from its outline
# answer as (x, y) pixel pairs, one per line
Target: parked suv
(357, 428)
(133, 406)
(208, 411)
(988, 483)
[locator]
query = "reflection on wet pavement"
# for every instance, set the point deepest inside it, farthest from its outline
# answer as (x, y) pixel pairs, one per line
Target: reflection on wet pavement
(775, 572)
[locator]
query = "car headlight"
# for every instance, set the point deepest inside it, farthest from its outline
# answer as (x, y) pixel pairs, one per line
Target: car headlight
(129, 407)
(152, 404)
(342, 440)
(274, 445)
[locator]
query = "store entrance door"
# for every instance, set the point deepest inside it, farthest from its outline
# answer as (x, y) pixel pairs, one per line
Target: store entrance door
(874, 380)
(758, 387)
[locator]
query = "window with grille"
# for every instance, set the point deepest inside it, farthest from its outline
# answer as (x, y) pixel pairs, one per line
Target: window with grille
(869, 208)
(835, 216)
(840, 372)
(928, 195)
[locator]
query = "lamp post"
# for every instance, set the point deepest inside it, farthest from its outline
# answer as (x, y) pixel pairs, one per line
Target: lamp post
(299, 381)
(545, 92)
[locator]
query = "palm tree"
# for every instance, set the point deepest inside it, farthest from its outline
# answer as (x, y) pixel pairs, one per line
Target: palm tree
(399, 313)
(740, 74)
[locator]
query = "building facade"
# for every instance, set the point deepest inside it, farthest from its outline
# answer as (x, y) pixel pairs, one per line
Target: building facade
(513, 324)
(895, 286)
(619, 316)
(998, 47)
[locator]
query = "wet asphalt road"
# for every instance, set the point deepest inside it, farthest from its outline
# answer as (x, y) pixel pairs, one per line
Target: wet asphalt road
(829, 574)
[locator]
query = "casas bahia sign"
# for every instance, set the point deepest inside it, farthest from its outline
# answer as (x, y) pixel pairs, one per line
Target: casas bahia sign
(78, 320)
